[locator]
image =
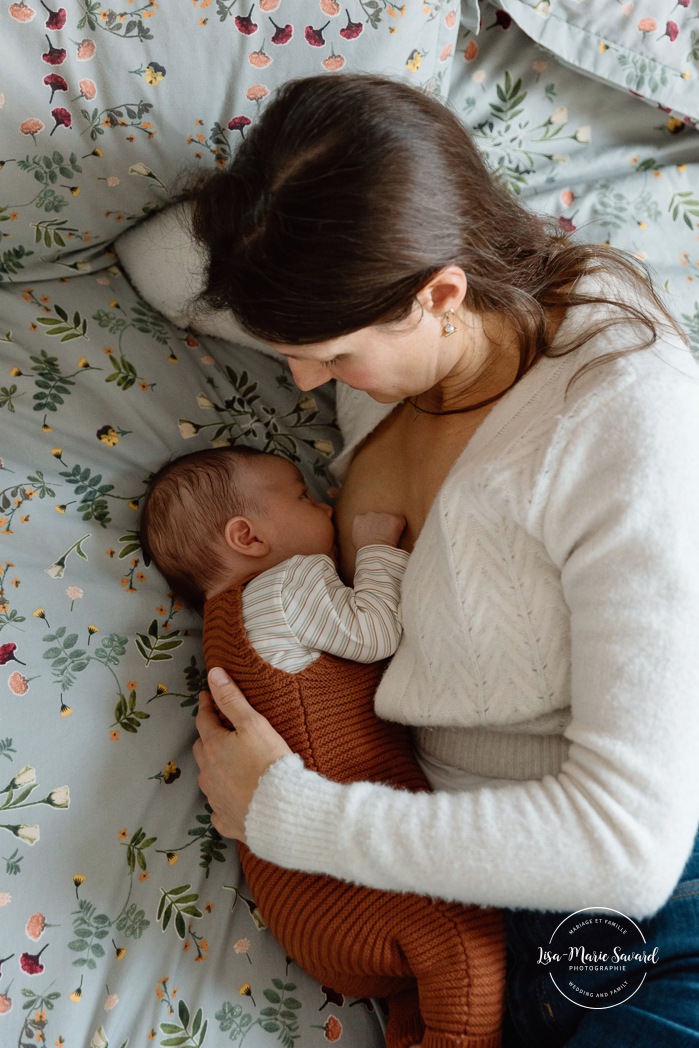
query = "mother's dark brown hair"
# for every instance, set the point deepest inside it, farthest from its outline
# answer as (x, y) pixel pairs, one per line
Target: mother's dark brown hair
(351, 191)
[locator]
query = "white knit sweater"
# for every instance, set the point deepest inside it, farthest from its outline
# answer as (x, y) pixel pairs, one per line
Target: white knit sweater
(551, 636)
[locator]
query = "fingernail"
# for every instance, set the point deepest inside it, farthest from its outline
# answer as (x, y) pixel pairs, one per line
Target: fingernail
(218, 676)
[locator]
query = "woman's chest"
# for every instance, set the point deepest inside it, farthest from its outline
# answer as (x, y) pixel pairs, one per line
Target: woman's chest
(400, 469)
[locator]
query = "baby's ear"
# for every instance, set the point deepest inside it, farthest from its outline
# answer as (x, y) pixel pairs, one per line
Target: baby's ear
(242, 536)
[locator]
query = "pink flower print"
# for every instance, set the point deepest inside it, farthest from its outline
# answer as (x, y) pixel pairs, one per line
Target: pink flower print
(62, 118)
(282, 33)
(22, 12)
(566, 224)
(18, 683)
(5, 1004)
(352, 30)
(315, 36)
(333, 62)
(682, 3)
(111, 1002)
(7, 651)
(32, 127)
(672, 30)
(56, 19)
(244, 23)
(30, 963)
(86, 50)
(567, 197)
(5, 900)
(332, 1031)
(54, 55)
(269, 5)
(647, 25)
(35, 926)
(330, 7)
(256, 93)
(260, 58)
(88, 89)
(56, 82)
(239, 123)
(74, 593)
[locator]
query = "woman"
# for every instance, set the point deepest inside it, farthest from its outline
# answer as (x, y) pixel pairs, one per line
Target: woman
(539, 434)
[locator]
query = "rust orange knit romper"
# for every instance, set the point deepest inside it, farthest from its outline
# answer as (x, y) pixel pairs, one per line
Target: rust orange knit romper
(441, 966)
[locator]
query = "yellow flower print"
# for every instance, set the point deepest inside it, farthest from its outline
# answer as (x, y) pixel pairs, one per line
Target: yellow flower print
(414, 60)
(108, 435)
(154, 73)
(246, 991)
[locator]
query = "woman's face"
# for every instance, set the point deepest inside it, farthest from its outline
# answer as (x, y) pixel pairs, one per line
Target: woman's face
(389, 362)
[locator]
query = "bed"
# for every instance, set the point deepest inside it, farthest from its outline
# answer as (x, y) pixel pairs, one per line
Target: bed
(124, 916)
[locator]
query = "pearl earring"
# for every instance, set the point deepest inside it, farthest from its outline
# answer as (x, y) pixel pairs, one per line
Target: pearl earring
(447, 326)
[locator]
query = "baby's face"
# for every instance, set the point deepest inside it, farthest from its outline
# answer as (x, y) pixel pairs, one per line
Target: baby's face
(294, 522)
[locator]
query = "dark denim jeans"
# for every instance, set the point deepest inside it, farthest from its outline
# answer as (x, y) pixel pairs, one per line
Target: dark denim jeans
(663, 1013)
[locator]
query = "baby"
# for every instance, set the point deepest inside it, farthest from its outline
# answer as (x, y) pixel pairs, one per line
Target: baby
(237, 531)
(238, 517)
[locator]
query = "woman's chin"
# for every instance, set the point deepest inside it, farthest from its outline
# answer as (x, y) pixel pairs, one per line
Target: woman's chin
(384, 398)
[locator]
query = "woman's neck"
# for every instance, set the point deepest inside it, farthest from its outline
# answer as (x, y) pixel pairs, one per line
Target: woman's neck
(486, 366)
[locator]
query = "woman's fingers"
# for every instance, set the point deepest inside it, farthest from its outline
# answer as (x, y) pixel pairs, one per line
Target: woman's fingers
(231, 763)
(229, 700)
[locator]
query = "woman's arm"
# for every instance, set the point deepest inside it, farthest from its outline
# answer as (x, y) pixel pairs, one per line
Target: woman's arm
(614, 828)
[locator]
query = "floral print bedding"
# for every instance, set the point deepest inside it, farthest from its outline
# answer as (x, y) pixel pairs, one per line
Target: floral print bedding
(124, 919)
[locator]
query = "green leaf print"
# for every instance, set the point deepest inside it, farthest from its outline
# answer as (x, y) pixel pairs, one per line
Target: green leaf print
(179, 902)
(68, 329)
(89, 928)
(686, 205)
(126, 715)
(182, 1034)
(12, 261)
(156, 648)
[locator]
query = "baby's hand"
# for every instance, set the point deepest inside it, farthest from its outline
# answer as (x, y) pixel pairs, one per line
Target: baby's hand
(381, 529)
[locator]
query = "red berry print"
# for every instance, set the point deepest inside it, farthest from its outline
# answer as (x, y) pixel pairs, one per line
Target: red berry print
(7, 653)
(56, 82)
(352, 30)
(56, 19)
(239, 123)
(244, 23)
(30, 963)
(282, 33)
(315, 36)
(54, 55)
(62, 118)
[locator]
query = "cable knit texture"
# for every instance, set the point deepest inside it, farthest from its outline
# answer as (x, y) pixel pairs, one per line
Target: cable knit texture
(549, 610)
(361, 942)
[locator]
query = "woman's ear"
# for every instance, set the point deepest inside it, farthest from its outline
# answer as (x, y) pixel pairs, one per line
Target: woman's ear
(445, 290)
(242, 536)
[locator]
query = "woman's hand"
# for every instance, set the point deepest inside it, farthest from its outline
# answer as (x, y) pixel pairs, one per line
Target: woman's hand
(232, 760)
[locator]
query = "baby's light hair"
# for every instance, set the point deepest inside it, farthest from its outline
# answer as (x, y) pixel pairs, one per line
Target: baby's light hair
(188, 502)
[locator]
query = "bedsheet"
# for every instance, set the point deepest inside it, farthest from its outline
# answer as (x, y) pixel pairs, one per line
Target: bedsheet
(123, 915)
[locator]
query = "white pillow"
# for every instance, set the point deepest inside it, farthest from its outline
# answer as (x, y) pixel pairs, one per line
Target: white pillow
(167, 268)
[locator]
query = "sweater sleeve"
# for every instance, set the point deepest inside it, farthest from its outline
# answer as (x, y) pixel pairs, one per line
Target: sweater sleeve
(360, 623)
(619, 500)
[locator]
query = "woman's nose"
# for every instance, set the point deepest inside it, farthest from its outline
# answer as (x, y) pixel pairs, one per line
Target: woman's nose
(308, 374)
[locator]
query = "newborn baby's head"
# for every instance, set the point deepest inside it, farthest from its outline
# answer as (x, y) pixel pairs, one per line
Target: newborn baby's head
(216, 518)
